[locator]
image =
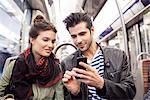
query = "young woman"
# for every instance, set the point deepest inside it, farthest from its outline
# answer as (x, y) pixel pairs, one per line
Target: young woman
(36, 73)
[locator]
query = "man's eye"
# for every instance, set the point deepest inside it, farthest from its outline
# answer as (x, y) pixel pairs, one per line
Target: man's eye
(82, 33)
(73, 36)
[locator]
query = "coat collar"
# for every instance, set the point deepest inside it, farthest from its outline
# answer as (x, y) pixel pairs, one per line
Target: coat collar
(106, 56)
(104, 50)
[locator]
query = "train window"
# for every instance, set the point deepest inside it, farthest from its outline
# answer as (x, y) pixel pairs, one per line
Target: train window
(145, 38)
(117, 41)
(134, 46)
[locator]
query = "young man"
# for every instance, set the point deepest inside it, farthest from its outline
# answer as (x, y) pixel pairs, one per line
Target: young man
(107, 74)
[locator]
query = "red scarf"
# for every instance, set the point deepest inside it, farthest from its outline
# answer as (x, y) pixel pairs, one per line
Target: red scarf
(26, 72)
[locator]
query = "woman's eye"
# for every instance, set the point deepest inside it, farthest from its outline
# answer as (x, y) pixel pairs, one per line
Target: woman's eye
(45, 40)
(53, 41)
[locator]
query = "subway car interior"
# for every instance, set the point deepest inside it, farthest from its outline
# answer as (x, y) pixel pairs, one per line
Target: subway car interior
(123, 24)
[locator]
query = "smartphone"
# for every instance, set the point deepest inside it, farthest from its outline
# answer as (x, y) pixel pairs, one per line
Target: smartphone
(81, 59)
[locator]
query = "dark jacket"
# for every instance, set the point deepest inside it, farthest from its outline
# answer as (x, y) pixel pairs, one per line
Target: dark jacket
(119, 82)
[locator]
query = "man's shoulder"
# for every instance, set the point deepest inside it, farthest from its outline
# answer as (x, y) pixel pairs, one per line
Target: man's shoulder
(110, 49)
(110, 52)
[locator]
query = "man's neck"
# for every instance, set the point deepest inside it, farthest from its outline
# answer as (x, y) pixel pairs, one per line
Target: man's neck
(91, 51)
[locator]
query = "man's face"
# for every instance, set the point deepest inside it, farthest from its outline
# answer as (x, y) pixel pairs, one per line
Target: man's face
(81, 35)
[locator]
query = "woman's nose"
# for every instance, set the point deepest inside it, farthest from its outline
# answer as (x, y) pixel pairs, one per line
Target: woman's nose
(50, 44)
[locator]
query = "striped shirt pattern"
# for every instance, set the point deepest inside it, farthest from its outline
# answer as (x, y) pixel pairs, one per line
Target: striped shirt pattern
(98, 63)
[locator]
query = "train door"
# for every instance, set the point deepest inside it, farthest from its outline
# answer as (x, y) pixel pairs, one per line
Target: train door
(134, 50)
(144, 56)
(139, 50)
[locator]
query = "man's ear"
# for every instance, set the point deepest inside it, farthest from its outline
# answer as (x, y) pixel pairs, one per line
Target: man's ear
(92, 29)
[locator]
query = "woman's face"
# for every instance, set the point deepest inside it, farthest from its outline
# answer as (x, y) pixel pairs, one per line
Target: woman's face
(44, 43)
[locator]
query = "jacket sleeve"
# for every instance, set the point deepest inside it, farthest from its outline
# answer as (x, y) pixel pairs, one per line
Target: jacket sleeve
(4, 81)
(124, 88)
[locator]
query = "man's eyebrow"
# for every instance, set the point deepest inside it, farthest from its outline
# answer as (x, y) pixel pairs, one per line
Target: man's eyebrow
(82, 32)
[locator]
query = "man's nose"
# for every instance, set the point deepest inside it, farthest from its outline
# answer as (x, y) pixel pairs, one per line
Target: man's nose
(79, 39)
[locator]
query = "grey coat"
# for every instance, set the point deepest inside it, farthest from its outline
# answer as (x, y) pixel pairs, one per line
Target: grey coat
(118, 80)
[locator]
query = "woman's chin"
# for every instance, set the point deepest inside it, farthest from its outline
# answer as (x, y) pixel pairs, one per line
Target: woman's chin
(46, 54)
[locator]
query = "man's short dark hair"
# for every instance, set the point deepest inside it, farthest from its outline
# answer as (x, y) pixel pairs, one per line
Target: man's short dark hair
(76, 18)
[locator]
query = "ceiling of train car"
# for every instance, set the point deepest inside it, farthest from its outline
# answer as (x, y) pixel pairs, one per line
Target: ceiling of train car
(38, 5)
(93, 7)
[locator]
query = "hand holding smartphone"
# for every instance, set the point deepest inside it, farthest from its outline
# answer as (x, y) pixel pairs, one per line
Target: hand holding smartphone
(81, 59)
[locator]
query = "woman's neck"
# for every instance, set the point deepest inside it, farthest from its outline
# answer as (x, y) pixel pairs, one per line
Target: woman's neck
(36, 56)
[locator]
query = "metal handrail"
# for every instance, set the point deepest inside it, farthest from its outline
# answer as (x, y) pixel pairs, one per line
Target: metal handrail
(57, 47)
(139, 55)
(142, 53)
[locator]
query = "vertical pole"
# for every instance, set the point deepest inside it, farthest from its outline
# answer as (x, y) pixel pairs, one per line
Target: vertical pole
(22, 33)
(123, 28)
(48, 8)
